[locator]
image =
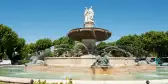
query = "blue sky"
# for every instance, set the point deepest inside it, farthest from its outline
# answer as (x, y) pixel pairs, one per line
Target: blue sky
(35, 19)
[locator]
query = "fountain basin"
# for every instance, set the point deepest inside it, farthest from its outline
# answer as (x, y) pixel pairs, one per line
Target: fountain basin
(120, 70)
(98, 34)
(25, 74)
(81, 73)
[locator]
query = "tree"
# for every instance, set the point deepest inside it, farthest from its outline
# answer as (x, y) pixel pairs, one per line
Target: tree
(9, 41)
(60, 49)
(19, 48)
(25, 51)
(111, 43)
(101, 46)
(42, 44)
(156, 42)
(132, 44)
(31, 48)
(64, 40)
(20, 44)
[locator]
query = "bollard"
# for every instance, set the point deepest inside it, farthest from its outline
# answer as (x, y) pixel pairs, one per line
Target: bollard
(31, 81)
(147, 82)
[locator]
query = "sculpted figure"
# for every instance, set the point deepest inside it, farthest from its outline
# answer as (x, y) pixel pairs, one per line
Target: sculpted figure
(89, 14)
(102, 60)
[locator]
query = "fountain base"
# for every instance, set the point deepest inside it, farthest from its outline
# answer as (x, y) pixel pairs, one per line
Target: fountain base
(73, 69)
(102, 70)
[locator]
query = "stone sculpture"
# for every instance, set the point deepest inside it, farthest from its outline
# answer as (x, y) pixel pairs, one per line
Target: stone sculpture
(89, 14)
(15, 56)
(102, 61)
(38, 58)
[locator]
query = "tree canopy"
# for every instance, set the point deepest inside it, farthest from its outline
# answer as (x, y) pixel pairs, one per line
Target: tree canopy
(64, 40)
(42, 44)
(8, 41)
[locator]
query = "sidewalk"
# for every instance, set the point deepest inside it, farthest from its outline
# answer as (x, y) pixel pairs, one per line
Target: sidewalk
(27, 80)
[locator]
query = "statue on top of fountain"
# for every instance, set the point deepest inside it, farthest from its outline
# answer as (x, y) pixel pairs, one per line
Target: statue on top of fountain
(89, 14)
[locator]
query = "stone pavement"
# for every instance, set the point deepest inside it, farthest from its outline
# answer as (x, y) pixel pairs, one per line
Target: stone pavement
(27, 80)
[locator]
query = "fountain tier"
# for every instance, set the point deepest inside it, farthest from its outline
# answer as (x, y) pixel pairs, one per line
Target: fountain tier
(89, 35)
(98, 34)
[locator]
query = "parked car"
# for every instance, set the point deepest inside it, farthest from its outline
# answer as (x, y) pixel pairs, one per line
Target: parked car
(162, 61)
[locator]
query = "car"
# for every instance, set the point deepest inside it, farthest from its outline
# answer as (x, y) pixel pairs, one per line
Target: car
(162, 61)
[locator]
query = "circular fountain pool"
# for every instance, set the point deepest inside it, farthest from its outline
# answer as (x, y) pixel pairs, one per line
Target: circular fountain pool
(20, 72)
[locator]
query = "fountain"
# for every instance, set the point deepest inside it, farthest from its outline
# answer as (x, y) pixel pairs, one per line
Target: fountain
(87, 68)
(89, 35)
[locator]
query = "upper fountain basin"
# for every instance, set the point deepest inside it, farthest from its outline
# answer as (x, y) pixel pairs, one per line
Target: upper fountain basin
(98, 34)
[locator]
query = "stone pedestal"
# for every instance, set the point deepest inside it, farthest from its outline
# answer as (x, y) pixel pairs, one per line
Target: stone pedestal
(99, 70)
(90, 44)
(88, 24)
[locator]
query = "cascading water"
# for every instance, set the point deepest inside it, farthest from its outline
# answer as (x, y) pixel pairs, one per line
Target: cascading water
(111, 48)
(81, 46)
(38, 58)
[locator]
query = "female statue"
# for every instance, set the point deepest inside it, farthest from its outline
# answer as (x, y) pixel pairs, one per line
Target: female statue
(89, 14)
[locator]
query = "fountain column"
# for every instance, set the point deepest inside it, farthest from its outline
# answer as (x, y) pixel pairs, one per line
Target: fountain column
(90, 43)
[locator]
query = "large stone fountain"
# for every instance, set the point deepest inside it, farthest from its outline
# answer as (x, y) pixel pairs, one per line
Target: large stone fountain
(89, 62)
(89, 34)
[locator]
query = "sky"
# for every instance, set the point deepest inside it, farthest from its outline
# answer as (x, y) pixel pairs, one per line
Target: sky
(35, 19)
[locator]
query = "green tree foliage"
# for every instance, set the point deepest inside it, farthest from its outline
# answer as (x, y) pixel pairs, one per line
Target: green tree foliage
(20, 49)
(24, 54)
(20, 44)
(152, 43)
(8, 41)
(31, 48)
(103, 45)
(43, 44)
(132, 44)
(156, 42)
(64, 40)
(60, 49)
